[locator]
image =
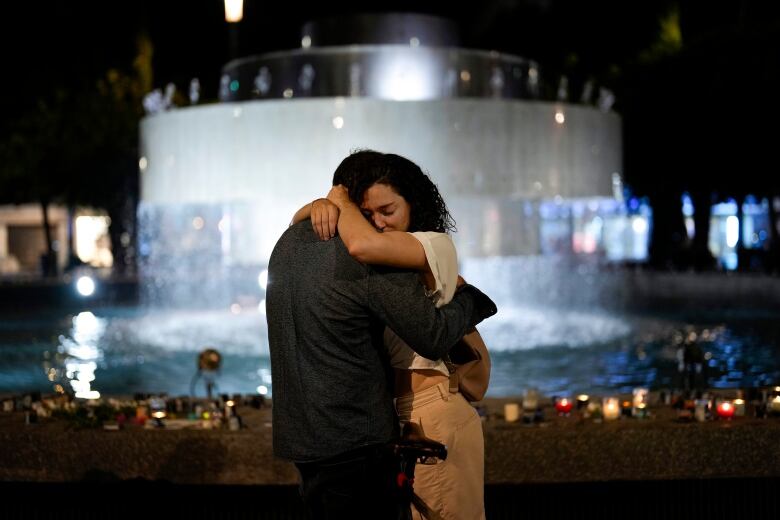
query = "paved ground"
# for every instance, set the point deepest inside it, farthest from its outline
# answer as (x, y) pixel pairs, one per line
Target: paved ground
(561, 449)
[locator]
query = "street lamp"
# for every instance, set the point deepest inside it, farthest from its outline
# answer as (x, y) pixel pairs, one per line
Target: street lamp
(234, 13)
(234, 10)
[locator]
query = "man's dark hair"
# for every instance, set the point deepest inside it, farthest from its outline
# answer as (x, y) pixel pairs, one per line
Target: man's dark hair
(364, 168)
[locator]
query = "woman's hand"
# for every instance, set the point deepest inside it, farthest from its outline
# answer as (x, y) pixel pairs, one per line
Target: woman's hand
(324, 217)
(339, 196)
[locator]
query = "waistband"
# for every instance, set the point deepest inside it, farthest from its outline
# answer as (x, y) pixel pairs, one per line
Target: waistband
(403, 380)
(437, 392)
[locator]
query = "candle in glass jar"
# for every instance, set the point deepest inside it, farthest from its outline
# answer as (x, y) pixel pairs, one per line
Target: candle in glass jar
(593, 410)
(774, 404)
(582, 401)
(700, 412)
(611, 409)
(511, 412)
(739, 407)
(640, 401)
(563, 405)
(531, 401)
(725, 410)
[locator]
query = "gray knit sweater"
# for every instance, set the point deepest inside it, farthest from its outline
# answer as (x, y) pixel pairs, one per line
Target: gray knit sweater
(326, 313)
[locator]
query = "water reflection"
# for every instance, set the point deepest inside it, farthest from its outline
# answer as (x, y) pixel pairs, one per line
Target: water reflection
(124, 351)
(80, 355)
(741, 354)
(559, 352)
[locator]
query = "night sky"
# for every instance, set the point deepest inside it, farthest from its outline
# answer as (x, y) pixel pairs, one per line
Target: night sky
(46, 44)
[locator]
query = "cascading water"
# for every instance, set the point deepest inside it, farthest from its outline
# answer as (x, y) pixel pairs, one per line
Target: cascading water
(531, 183)
(221, 182)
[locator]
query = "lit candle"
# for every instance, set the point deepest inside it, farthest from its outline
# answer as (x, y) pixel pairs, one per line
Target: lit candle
(582, 401)
(229, 409)
(511, 412)
(774, 404)
(725, 410)
(531, 401)
(700, 412)
(593, 410)
(563, 405)
(640, 402)
(611, 410)
(739, 407)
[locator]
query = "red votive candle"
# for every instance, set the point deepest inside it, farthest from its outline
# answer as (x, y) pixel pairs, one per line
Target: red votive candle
(725, 410)
(563, 405)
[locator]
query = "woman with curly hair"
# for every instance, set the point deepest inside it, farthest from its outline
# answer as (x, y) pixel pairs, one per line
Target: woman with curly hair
(388, 212)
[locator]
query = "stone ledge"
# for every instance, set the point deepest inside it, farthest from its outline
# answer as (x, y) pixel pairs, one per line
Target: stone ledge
(561, 450)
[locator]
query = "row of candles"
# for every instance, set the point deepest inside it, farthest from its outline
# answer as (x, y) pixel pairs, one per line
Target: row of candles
(612, 408)
(211, 413)
(609, 408)
(149, 410)
(707, 407)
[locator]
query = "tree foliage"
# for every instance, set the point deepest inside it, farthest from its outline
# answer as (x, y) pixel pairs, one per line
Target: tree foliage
(78, 147)
(695, 120)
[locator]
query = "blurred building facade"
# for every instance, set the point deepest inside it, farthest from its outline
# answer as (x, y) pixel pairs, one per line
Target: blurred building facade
(80, 236)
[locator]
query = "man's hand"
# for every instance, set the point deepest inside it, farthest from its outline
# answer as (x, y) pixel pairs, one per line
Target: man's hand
(324, 217)
(339, 195)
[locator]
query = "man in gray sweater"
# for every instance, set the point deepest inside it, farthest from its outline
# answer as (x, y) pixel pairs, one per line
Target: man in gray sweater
(332, 401)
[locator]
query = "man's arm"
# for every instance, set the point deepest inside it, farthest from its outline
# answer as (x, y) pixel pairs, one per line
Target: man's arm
(398, 299)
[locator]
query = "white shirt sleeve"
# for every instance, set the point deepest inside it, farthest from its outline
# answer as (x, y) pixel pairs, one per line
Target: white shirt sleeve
(443, 261)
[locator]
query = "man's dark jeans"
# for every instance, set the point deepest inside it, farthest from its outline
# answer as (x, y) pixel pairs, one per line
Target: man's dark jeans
(357, 484)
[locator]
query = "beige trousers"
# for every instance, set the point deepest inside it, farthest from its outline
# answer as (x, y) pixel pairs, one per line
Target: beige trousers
(453, 488)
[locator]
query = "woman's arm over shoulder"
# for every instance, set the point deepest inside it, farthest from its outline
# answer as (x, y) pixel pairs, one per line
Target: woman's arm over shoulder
(324, 216)
(367, 245)
(393, 248)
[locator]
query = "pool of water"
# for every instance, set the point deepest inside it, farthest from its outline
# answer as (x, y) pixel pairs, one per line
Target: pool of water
(126, 350)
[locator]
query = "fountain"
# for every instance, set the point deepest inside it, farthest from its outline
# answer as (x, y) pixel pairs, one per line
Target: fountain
(533, 183)
(220, 182)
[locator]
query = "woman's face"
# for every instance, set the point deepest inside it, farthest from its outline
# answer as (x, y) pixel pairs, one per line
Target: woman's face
(386, 209)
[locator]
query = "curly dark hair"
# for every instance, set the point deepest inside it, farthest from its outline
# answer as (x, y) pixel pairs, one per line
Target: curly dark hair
(364, 168)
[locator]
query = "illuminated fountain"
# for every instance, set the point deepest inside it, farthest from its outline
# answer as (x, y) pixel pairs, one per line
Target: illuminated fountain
(531, 182)
(221, 182)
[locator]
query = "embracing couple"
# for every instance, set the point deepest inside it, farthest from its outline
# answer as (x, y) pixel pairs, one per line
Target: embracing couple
(364, 303)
